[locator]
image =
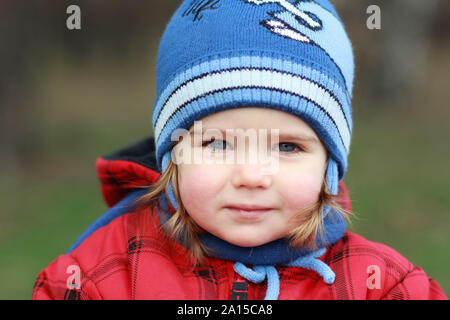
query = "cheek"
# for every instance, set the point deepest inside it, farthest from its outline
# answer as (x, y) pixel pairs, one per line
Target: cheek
(301, 191)
(199, 186)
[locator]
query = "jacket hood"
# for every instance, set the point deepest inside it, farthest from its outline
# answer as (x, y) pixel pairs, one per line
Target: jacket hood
(135, 166)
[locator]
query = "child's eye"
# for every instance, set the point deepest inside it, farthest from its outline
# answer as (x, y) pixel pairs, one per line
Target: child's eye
(216, 144)
(288, 147)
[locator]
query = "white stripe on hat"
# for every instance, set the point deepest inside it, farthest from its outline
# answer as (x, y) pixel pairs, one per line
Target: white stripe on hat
(254, 78)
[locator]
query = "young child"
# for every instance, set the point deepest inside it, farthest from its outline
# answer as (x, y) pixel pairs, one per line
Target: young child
(194, 214)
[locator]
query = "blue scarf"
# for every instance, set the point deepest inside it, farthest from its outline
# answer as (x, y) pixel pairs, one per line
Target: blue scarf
(278, 252)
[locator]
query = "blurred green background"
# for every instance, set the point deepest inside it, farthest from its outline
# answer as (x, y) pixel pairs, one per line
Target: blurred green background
(67, 97)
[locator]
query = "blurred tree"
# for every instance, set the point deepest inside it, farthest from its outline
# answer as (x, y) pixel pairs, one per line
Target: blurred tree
(406, 46)
(391, 61)
(16, 26)
(33, 31)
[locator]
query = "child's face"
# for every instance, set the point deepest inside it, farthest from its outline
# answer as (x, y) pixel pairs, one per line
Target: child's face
(220, 197)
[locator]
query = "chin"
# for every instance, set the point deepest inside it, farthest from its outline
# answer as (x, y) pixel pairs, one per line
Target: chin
(247, 243)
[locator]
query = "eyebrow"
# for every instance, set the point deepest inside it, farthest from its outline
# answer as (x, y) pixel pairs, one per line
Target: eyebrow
(299, 136)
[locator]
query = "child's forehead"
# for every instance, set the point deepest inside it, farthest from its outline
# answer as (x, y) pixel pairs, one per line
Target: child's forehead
(256, 118)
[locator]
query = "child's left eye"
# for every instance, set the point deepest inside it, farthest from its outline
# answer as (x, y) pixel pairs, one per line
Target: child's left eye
(288, 147)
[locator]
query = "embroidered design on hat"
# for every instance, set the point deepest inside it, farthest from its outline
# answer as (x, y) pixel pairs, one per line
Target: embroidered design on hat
(305, 21)
(197, 7)
(306, 18)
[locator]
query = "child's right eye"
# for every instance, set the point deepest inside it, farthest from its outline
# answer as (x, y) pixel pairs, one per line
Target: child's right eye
(216, 144)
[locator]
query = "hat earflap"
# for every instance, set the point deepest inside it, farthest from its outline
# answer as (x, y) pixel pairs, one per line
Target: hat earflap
(169, 188)
(332, 176)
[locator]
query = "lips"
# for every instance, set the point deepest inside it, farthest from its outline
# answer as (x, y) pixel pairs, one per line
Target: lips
(249, 211)
(249, 207)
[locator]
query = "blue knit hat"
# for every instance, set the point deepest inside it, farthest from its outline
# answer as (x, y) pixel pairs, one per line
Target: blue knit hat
(293, 56)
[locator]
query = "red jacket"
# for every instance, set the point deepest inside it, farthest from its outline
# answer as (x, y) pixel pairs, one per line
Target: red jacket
(117, 258)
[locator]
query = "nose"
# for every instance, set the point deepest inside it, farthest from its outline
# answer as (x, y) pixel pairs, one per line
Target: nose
(250, 176)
